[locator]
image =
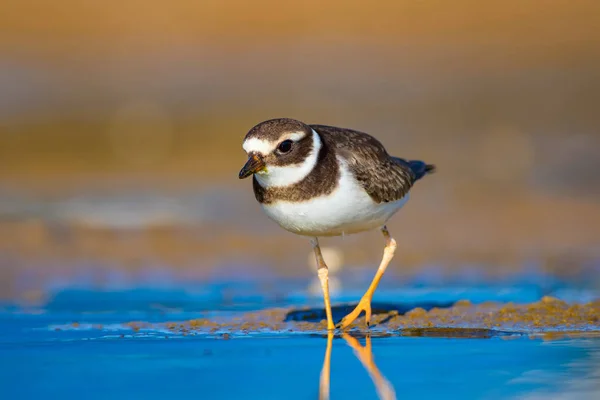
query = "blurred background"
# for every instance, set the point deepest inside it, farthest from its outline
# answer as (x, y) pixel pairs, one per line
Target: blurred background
(121, 126)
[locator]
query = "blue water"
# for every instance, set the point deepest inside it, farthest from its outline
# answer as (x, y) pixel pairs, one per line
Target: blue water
(100, 364)
(44, 355)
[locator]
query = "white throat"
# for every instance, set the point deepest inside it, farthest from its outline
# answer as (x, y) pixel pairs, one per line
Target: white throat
(285, 176)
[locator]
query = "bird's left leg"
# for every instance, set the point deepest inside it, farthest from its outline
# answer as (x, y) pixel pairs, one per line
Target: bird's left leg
(365, 301)
(323, 273)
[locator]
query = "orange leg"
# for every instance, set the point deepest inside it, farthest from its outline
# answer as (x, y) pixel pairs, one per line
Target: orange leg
(365, 302)
(323, 273)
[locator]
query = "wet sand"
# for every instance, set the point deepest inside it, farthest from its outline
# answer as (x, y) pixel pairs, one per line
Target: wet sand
(549, 316)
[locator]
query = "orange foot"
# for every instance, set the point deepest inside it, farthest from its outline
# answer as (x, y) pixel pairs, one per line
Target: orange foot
(363, 305)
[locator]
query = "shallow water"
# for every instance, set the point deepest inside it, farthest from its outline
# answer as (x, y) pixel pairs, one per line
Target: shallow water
(78, 344)
(288, 366)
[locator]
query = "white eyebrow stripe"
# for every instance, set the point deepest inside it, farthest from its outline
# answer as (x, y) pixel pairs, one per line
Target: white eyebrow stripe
(263, 147)
(295, 136)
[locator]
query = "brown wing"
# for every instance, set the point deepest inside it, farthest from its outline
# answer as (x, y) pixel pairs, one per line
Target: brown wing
(384, 178)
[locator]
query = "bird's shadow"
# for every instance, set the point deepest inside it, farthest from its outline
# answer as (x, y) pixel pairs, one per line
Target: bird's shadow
(340, 311)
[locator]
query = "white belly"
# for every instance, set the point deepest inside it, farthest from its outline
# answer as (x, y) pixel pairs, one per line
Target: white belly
(347, 210)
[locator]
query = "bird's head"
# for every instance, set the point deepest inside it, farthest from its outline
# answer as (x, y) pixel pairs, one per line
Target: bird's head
(281, 152)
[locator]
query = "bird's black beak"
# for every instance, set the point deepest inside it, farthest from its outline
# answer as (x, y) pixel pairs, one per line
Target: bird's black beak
(254, 164)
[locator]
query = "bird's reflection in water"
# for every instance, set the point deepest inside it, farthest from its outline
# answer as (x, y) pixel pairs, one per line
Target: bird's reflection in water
(384, 388)
(326, 370)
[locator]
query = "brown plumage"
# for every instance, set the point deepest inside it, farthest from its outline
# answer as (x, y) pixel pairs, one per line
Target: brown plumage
(384, 178)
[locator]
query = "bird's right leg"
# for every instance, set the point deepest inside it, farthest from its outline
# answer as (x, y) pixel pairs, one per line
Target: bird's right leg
(323, 273)
(365, 302)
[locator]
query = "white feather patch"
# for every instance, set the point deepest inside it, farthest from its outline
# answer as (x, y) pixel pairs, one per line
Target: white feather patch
(294, 136)
(263, 147)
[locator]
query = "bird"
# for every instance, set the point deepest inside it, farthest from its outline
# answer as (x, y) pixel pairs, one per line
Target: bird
(324, 181)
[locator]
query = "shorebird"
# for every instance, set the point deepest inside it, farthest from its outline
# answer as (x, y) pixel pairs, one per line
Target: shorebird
(320, 181)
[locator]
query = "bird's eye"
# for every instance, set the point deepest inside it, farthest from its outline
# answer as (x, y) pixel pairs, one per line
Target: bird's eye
(285, 146)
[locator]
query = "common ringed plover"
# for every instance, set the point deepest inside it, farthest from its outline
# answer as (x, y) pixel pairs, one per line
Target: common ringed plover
(318, 180)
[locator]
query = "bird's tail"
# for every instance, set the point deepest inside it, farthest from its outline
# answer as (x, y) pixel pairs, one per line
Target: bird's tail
(419, 168)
